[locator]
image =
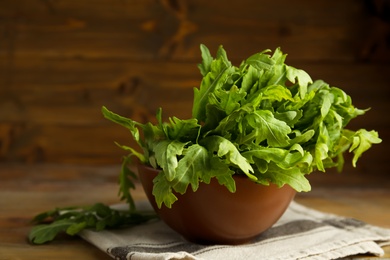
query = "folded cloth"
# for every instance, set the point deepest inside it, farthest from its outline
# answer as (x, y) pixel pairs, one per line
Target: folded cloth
(301, 233)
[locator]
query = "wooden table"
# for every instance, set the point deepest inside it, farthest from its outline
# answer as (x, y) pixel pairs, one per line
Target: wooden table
(26, 190)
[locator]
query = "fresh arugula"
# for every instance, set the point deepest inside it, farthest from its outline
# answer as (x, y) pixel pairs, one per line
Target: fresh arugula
(73, 220)
(264, 119)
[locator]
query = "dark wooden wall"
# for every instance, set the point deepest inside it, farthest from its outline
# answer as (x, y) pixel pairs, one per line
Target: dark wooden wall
(61, 60)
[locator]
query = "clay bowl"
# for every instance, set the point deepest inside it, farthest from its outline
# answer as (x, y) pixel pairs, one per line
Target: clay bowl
(213, 215)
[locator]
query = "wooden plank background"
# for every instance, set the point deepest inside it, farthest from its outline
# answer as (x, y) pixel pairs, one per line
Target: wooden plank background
(61, 61)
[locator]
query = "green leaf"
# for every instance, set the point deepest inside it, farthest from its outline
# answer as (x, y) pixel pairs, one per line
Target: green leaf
(293, 177)
(276, 93)
(139, 155)
(183, 129)
(214, 116)
(162, 191)
(297, 157)
(125, 122)
(250, 80)
(73, 220)
(301, 76)
(283, 158)
(317, 85)
(266, 153)
(261, 61)
(302, 138)
(232, 122)
(279, 57)
(126, 183)
(75, 228)
(280, 75)
(226, 150)
(223, 173)
(327, 100)
(221, 55)
(192, 167)
(221, 69)
(44, 233)
(204, 67)
(361, 142)
(156, 132)
(266, 127)
(290, 117)
(44, 215)
(166, 152)
(102, 211)
(227, 101)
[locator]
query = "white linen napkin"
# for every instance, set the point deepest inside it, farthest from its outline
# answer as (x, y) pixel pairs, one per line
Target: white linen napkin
(301, 233)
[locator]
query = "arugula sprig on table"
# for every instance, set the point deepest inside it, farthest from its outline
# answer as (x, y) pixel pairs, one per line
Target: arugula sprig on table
(73, 220)
(264, 119)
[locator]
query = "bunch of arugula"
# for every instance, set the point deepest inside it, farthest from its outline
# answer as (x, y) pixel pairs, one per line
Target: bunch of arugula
(264, 119)
(72, 220)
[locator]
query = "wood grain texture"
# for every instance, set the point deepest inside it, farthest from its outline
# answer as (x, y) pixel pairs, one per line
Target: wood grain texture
(174, 29)
(61, 61)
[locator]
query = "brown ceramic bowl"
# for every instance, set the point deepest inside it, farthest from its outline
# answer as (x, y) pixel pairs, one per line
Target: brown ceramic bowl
(213, 215)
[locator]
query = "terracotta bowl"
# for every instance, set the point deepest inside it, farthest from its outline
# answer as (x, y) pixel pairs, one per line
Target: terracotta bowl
(213, 215)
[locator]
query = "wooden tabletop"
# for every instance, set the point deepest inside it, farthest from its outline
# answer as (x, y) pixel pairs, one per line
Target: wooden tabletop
(26, 190)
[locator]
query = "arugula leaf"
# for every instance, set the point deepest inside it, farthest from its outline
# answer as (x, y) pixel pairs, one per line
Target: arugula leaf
(289, 117)
(227, 101)
(250, 80)
(183, 129)
(327, 99)
(191, 167)
(44, 233)
(139, 155)
(302, 138)
(222, 173)
(226, 150)
(362, 140)
(231, 123)
(207, 59)
(166, 155)
(301, 76)
(276, 93)
(266, 127)
(162, 191)
(283, 158)
(293, 177)
(73, 220)
(220, 70)
(125, 122)
(268, 154)
(125, 183)
(75, 228)
(279, 76)
(321, 147)
(261, 61)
